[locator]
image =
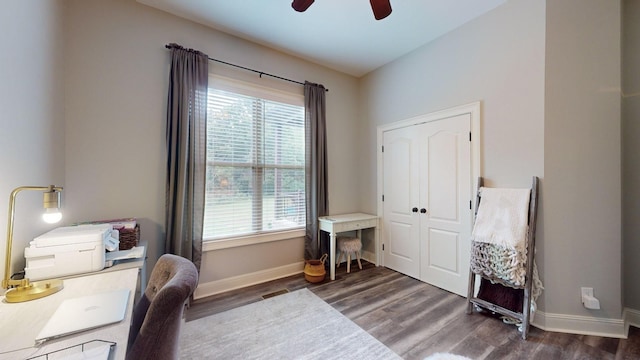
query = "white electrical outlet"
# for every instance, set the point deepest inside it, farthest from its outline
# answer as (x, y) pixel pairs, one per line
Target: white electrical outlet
(588, 300)
(587, 291)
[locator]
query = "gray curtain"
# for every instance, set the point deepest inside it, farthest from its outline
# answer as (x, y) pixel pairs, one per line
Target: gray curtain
(317, 202)
(186, 152)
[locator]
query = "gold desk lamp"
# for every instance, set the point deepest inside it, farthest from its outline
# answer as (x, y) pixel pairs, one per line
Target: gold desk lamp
(24, 290)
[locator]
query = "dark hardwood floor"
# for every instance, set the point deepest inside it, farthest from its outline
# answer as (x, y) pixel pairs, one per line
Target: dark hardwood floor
(416, 319)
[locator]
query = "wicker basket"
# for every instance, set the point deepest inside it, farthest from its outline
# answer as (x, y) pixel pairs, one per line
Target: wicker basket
(129, 237)
(314, 271)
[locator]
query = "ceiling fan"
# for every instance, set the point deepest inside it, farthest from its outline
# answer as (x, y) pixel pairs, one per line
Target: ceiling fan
(381, 8)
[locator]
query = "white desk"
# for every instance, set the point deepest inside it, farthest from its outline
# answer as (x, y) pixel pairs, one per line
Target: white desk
(20, 323)
(334, 224)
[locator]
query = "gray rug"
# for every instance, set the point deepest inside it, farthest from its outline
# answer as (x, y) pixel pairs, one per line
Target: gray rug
(297, 325)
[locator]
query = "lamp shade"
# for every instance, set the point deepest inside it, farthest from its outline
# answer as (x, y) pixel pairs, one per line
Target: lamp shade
(51, 203)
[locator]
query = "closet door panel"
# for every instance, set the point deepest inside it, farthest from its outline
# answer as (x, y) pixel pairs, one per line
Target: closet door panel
(400, 227)
(443, 250)
(445, 193)
(442, 176)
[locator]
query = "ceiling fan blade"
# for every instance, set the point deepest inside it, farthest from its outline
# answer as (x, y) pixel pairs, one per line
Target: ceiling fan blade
(301, 5)
(381, 8)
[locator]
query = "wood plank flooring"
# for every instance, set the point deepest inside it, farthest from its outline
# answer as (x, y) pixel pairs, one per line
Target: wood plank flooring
(415, 319)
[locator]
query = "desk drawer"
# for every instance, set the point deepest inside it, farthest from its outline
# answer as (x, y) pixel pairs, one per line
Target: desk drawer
(355, 225)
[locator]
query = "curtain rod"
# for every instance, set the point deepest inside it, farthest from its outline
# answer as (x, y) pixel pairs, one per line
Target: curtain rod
(169, 46)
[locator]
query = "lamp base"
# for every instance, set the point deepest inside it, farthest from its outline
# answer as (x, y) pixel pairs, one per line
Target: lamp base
(32, 291)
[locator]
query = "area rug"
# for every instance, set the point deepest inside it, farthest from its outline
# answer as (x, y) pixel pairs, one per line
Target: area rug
(296, 325)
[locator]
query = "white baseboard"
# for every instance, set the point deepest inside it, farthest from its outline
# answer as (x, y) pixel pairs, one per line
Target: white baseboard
(583, 325)
(244, 280)
(631, 317)
(237, 282)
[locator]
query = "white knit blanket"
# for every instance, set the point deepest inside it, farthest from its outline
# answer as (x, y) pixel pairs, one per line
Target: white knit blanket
(494, 261)
(502, 217)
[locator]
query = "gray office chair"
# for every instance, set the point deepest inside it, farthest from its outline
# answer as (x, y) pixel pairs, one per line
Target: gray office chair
(155, 326)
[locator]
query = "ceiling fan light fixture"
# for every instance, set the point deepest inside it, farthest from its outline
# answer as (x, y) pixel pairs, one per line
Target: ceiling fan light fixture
(381, 8)
(301, 5)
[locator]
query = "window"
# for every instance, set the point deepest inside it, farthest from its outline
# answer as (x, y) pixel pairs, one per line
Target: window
(255, 161)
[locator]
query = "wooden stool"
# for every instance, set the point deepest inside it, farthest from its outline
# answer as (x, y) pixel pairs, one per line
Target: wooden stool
(348, 245)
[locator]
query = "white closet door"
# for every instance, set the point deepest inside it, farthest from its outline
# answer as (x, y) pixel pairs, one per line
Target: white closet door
(445, 193)
(400, 223)
(427, 189)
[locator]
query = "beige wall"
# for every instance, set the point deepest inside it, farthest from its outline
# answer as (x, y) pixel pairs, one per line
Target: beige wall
(583, 156)
(631, 151)
(32, 116)
(116, 72)
(497, 59)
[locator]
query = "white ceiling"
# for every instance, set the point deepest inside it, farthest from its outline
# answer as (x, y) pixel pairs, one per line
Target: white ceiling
(339, 34)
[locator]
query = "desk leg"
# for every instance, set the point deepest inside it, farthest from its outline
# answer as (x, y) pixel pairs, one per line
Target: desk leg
(332, 255)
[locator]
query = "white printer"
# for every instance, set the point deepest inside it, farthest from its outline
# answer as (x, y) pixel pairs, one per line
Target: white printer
(69, 250)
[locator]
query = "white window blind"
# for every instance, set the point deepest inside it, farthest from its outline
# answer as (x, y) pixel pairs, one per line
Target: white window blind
(255, 162)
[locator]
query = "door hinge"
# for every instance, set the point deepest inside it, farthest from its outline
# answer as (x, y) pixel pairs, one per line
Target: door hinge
(382, 247)
(469, 204)
(382, 198)
(382, 148)
(469, 135)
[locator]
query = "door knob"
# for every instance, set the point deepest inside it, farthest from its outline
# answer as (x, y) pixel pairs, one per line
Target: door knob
(415, 209)
(423, 211)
